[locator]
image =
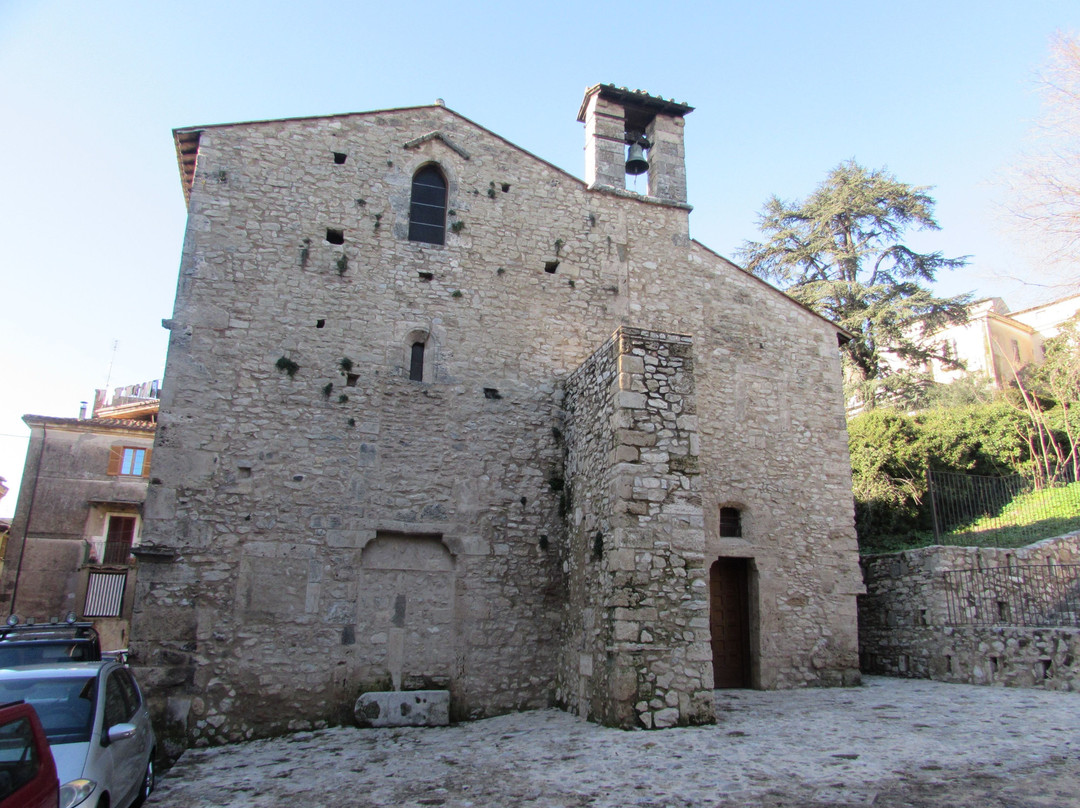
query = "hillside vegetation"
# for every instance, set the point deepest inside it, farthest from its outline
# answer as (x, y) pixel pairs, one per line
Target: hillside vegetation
(1029, 430)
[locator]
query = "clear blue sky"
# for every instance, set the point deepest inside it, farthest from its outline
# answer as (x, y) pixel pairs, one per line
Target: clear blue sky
(92, 214)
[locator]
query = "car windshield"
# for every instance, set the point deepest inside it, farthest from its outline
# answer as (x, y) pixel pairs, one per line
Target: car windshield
(36, 653)
(65, 706)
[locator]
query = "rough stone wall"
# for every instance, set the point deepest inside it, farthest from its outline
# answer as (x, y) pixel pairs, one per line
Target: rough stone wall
(637, 618)
(268, 487)
(904, 621)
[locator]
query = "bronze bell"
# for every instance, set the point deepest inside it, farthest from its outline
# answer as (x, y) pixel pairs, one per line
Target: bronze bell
(635, 157)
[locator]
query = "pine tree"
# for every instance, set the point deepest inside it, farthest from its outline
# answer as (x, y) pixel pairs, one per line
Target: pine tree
(841, 253)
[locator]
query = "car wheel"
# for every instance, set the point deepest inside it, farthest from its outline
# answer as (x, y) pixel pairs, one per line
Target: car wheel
(147, 783)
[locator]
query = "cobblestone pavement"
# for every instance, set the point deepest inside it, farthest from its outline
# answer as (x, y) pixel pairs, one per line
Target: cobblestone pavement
(889, 743)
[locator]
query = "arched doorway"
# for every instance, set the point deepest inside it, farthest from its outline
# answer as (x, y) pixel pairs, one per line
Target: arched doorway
(405, 613)
(729, 621)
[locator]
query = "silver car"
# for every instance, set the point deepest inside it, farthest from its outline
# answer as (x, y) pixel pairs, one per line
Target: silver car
(98, 729)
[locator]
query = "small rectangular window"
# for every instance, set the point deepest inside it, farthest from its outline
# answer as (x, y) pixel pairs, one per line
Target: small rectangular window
(128, 461)
(730, 523)
(131, 464)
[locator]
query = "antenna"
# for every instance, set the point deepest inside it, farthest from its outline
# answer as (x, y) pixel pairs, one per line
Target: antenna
(108, 376)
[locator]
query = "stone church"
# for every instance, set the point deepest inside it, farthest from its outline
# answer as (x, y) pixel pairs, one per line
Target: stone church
(438, 414)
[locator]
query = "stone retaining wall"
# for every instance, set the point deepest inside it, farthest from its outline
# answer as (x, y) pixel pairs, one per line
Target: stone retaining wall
(905, 630)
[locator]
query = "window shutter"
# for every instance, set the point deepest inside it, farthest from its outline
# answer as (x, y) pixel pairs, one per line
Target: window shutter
(116, 455)
(146, 463)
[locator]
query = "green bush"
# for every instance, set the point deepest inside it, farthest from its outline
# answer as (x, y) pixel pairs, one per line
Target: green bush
(888, 473)
(891, 452)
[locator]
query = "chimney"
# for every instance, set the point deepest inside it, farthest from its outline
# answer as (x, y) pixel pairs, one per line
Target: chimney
(82, 410)
(615, 118)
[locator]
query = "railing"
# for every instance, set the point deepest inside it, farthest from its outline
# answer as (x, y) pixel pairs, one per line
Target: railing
(969, 509)
(1015, 595)
(116, 552)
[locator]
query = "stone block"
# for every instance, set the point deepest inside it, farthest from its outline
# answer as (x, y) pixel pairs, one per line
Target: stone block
(403, 708)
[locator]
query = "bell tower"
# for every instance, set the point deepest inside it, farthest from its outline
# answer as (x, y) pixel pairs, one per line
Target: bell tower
(632, 132)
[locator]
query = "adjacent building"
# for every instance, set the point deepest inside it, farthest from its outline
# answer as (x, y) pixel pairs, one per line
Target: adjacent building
(79, 514)
(437, 413)
(996, 342)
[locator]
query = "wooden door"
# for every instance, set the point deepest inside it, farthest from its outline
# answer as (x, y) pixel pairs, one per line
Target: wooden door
(119, 539)
(729, 622)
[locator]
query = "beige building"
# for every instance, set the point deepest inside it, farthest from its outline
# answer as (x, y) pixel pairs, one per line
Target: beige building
(995, 341)
(440, 414)
(79, 514)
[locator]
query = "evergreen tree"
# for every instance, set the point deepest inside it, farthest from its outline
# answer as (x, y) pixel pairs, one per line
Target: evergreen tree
(841, 253)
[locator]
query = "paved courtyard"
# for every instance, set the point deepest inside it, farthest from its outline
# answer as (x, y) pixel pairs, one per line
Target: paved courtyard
(887, 744)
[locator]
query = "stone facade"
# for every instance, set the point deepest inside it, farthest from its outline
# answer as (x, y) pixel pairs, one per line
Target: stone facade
(912, 622)
(637, 626)
(325, 509)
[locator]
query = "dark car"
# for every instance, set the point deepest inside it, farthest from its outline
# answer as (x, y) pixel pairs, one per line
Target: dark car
(44, 643)
(28, 777)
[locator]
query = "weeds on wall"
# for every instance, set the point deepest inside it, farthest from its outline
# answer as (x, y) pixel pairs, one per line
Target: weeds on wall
(345, 364)
(457, 226)
(305, 252)
(287, 366)
(328, 388)
(342, 264)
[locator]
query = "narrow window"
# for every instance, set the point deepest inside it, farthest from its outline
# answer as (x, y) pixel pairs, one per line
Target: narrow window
(339, 158)
(730, 522)
(427, 213)
(416, 362)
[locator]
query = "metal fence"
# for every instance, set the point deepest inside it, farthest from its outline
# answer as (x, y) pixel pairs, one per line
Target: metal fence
(969, 509)
(1016, 595)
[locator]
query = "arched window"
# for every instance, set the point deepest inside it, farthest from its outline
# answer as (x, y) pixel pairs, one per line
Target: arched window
(427, 213)
(416, 362)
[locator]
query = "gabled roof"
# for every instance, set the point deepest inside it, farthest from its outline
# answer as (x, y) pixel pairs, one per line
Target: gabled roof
(843, 335)
(187, 148)
(187, 138)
